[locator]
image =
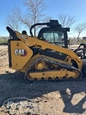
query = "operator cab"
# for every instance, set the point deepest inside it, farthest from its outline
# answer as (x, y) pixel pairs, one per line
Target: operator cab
(53, 36)
(53, 33)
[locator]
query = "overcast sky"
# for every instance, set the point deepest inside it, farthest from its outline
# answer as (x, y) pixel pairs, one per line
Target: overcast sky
(75, 8)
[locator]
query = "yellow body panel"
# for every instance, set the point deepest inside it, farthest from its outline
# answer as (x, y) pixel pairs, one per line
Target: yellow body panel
(32, 41)
(18, 61)
(44, 45)
(52, 74)
(22, 37)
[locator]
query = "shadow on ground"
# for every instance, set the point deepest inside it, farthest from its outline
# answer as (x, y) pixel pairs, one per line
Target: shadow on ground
(13, 85)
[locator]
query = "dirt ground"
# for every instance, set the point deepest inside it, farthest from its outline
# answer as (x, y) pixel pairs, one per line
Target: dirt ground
(39, 97)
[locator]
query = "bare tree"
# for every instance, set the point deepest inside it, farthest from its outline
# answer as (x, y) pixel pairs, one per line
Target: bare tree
(35, 9)
(80, 28)
(66, 20)
(12, 19)
(34, 14)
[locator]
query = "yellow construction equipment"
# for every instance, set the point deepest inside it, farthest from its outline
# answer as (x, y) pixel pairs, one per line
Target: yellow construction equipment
(45, 56)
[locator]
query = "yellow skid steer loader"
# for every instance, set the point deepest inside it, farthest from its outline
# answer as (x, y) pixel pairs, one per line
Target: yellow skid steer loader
(45, 56)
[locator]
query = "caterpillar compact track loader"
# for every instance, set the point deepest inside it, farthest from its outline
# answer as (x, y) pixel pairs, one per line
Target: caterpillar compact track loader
(45, 56)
